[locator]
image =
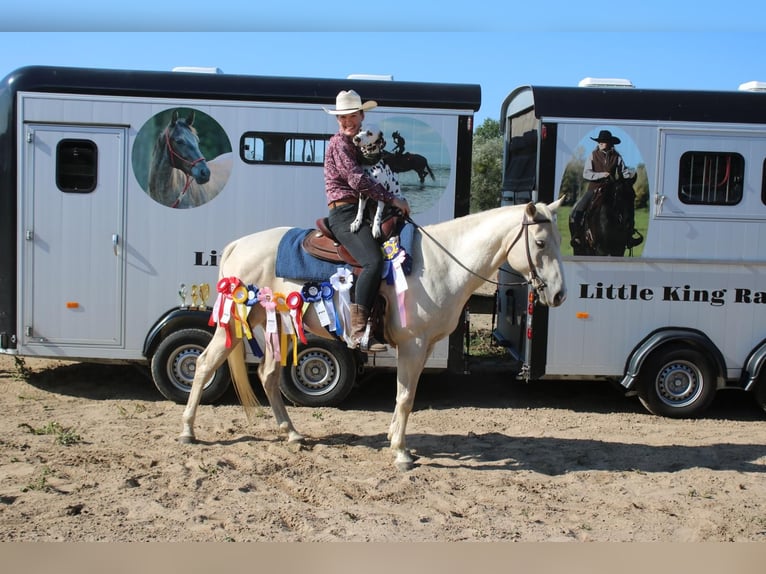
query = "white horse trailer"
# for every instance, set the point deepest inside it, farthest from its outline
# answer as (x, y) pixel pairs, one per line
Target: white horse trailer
(680, 313)
(120, 189)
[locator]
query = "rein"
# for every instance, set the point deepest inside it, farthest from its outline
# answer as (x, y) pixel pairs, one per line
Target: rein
(534, 279)
(192, 163)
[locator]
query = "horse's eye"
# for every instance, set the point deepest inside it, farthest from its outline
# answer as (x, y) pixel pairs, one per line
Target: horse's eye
(540, 243)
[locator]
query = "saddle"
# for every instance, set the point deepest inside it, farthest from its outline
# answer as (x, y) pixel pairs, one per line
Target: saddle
(322, 244)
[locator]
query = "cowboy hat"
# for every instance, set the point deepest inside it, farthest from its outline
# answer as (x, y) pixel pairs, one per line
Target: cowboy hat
(605, 136)
(348, 102)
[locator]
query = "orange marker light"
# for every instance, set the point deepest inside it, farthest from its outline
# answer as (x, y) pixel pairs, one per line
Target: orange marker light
(72, 305)
(582, 315)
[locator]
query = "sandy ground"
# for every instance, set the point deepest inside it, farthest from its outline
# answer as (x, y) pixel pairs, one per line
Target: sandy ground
(89, 453)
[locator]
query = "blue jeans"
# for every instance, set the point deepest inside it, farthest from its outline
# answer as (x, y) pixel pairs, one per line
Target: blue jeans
(364, 248)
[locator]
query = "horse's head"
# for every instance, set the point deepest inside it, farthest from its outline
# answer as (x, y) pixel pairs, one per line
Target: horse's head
(370, 142)
(537, 252)
(182, 145)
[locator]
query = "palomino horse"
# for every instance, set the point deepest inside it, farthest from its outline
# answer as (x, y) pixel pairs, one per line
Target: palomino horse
(179, 175)
(409, 161)
(450, 261)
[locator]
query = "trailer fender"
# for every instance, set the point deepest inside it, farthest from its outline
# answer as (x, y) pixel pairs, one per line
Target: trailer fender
(661, 337)
(754, 366)
(175, 320)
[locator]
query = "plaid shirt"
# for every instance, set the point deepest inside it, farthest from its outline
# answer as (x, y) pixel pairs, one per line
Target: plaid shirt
(343, 176)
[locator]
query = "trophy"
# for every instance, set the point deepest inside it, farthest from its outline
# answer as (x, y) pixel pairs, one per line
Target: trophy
(182, 294)
(204, 293)
(194, 296)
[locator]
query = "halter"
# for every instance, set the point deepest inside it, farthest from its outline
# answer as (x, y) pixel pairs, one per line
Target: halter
(192, 163)
(533, 279)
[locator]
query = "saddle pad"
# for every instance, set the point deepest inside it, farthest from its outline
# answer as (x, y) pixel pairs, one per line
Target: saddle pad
(294, 263)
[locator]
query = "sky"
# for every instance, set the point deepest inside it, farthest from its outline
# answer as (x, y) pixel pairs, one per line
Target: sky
(500, 46)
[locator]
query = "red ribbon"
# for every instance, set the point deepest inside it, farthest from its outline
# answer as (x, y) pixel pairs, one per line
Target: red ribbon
(295, 304)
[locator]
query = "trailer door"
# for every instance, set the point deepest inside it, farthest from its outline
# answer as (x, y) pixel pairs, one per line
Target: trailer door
(73, 236)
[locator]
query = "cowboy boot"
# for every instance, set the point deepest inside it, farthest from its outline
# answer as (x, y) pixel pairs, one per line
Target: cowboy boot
(361, 330)
(576, 224)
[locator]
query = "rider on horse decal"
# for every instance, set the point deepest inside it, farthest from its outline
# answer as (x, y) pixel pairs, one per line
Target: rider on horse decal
(607, 175)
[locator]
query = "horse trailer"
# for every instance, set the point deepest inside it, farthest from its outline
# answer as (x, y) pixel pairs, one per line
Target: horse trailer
(119, 190)
(678, 312)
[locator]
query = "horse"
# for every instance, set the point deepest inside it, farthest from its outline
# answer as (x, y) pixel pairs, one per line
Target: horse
(609, 220)
(450, 260)
(409, 161)
(179, 174)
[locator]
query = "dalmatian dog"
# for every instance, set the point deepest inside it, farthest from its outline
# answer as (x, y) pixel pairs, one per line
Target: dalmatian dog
(371, 143)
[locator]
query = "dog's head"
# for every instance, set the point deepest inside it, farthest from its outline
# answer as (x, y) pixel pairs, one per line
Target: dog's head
(370, 142)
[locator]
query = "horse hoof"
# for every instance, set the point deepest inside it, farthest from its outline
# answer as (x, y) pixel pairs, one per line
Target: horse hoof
(405, 466)
(294, 437)
(186, 439)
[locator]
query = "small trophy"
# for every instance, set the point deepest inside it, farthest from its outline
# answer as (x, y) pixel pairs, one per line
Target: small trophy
(182, 294)
(204, 293)
(194, 296)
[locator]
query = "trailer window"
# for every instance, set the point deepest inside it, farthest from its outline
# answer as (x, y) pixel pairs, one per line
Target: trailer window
(76, 165)
(282, 148)
(711, 178)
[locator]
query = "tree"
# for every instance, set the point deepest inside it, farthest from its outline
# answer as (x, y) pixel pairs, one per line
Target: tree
(486, 166)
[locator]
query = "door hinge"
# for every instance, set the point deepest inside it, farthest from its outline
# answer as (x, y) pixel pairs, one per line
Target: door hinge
(29, 235)
(30, 136)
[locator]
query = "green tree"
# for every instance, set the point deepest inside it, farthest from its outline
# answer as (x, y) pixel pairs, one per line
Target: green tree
(486, 166)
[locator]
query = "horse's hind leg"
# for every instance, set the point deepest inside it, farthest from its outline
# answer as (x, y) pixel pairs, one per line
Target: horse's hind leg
(270, 371)
(207, 363)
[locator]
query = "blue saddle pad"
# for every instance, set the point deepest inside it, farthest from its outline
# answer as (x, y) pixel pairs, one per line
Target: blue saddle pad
(294, 263)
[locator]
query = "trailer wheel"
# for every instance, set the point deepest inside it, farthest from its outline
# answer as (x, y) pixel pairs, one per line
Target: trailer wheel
(323, 376)
(174, 363)
(677, 383)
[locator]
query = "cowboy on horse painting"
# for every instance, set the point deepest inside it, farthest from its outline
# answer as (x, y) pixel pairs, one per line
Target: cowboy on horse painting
(605, 171)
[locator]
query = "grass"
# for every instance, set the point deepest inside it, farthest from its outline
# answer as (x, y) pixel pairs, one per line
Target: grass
(64, 436)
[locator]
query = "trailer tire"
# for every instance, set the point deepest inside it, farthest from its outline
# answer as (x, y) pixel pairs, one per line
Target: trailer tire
(174, 362)
(324, 374)
(759, 391)
(677, 382)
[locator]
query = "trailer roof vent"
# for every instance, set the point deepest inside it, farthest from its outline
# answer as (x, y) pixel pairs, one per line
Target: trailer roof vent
(605, 83)
(378, 77)
(753, 86)
(198, 69)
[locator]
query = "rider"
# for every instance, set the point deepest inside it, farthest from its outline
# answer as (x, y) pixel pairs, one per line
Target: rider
(345, 181)
(602, 166)
(399, 141)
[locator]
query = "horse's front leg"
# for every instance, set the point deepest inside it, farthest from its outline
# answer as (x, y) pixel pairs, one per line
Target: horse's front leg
(211, 358)
(270, 372)
(410, 363)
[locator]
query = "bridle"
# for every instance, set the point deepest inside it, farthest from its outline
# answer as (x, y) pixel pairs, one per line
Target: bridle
(534, 279)
(173, 155)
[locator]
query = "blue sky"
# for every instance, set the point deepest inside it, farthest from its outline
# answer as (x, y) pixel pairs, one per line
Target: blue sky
(656, 44)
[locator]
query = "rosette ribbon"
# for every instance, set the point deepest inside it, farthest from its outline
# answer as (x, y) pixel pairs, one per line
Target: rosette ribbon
(333, 320)
(266, 299)
(312, 294)
(342, 281)
(221, 314)
(287, 329)
(295, 303)
(393, 272)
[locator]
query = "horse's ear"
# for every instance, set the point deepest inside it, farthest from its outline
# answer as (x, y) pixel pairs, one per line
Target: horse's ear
(174, 117)
(190, 119)
(531, 209)
(556, 204)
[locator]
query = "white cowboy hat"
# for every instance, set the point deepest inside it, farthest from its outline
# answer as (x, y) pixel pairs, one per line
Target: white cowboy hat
(348, 102)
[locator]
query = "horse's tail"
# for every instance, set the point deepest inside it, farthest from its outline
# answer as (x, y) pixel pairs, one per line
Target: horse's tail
(431, 173)
(242, 385)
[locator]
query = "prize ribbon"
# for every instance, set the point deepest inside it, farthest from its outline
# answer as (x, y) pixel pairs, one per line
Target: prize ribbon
(312, 293)
(241, 310)
(287, 329)
(394, 273)
(221, 313)
(332, 317)
(342, 282)
(266, 299)
(295, 304)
